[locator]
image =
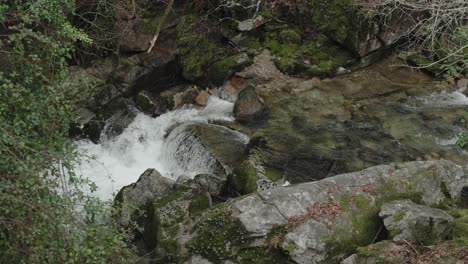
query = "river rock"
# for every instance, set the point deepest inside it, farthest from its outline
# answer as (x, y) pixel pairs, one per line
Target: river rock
(202, 98)
(224, 69)
(324, 221)
(152, 72)
(86, 125)
(249, 106)
(150, 187)
(150, 104)
(187, 95)
(205, 148)
(118, 115)
(407, 221)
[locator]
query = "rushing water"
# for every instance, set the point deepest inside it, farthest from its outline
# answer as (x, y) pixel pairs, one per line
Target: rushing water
(144, 144)
(117, 162)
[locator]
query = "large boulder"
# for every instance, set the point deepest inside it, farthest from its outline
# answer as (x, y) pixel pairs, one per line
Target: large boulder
(407, 221)
(130, 199)
(323, 221)
(200, 148)
(152, 72)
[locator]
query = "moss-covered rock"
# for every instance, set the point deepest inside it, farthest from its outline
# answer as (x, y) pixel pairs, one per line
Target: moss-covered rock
(196, 51)
(225, 68)
(345, 24)
(218, 237)
(200, 203)
(460, 226)
(314, 57)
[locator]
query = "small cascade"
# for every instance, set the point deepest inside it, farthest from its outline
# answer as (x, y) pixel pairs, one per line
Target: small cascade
(437, 100)
(119, 161)
(185, 152)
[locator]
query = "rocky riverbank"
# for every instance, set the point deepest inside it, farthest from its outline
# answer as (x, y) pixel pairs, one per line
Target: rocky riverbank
(367, 143)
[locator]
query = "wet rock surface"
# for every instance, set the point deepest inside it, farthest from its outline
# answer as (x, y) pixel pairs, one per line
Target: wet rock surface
(249, 106)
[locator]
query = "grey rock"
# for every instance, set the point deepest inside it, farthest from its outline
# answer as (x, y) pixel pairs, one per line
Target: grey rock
(432, 182)
(210, 183)
(150, 187)
(307, 242)
(130, 41)
(102, 96)
(258, 218)
(249, 106)
(249, 24)
(218, 148)
(150, 104)
(118, 115)
(353, 259)
(415, 223)
(152, 72)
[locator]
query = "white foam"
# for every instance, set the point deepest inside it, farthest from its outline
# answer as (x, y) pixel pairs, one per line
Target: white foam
(118, 162)
(439, 100)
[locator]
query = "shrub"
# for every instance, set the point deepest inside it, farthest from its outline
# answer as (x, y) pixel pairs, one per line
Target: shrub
(45, 217)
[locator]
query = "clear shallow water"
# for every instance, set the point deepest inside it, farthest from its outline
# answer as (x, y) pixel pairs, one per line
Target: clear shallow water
(117, 162)
(120, 161)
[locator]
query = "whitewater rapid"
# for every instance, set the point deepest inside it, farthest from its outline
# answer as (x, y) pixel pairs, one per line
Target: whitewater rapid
(117, 162)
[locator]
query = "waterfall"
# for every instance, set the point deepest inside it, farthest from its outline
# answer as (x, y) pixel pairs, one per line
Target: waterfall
(117, 162)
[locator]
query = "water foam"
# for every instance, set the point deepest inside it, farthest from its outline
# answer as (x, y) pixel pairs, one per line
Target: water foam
(117, 162)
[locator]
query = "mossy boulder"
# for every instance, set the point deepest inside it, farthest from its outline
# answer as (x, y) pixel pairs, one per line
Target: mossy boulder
(345, 24)
(460, 227)
(327, 220)
(163, 223)
(407, 221)
(224, 69)
(132, 199)
(249, 106)
(205, 59)
(311, 57)
(218, 148)
(252, 176)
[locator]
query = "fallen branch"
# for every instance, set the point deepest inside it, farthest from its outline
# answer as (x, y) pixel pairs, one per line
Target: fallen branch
(161, 22)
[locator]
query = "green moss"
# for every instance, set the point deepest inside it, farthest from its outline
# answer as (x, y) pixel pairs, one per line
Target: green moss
(420, 60)
(261, 255)
(290, 248)
(289, 36)
(373, 252)
(361, 230)
(224, 69)
(317, 57)
(162, 225)
(460, 227)
(399, 216)
(424, 235)
(393, 190)
(245, 178)
(195, 50)
(339, 20)
(200, 203)
(273, 174)
(250, 42)
(146, 26)
(218, 237)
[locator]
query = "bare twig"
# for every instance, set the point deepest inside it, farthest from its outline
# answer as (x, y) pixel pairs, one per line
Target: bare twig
(161, 22)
